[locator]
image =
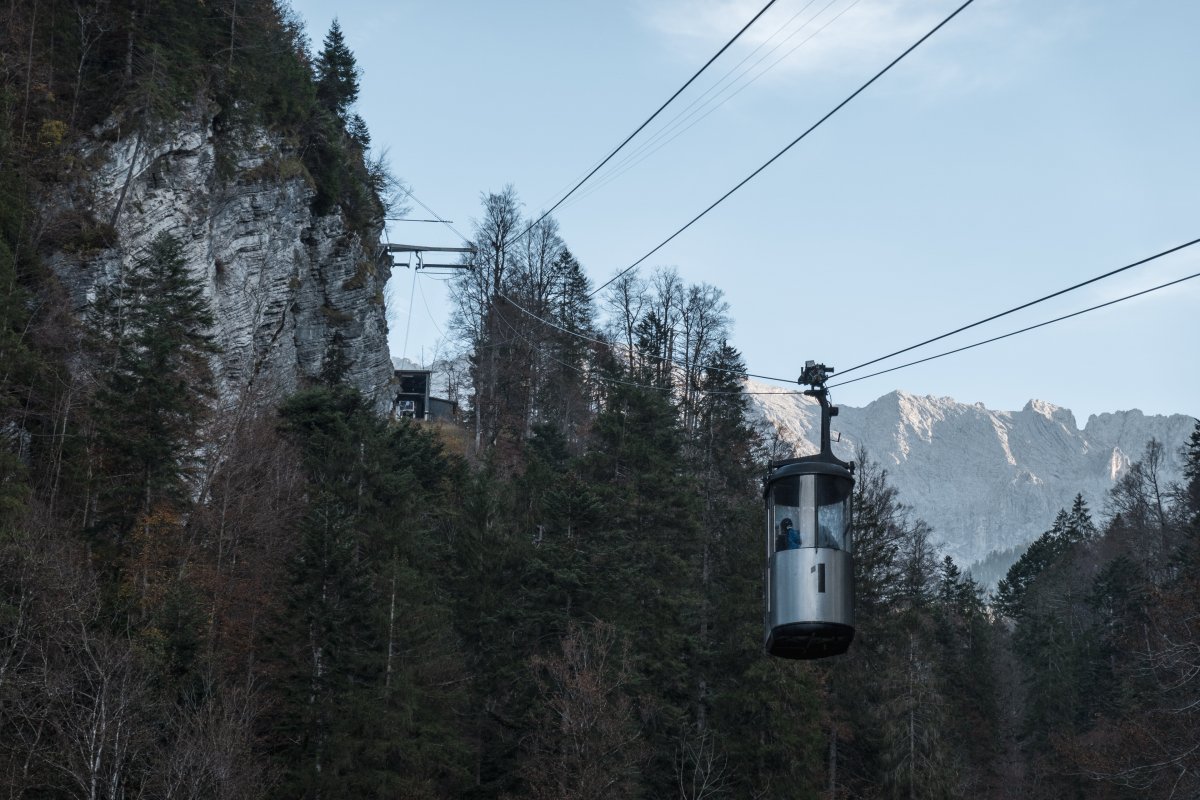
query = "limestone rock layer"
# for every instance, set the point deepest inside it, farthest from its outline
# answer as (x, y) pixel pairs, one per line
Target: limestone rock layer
(290, 290)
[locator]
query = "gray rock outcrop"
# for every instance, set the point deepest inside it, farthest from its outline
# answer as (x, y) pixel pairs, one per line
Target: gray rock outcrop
(287, 287)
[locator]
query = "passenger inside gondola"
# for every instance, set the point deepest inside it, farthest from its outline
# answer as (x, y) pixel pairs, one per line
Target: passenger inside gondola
(788, 538)
(793, 536)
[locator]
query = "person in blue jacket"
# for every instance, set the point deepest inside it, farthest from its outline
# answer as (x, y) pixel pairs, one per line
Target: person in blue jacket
(789, 535)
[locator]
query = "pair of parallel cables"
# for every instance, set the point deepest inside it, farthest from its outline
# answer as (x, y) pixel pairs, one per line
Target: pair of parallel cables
(777, 156)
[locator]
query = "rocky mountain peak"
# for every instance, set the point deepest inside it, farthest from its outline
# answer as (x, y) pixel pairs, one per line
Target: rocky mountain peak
(985, 480)
(1051, 412)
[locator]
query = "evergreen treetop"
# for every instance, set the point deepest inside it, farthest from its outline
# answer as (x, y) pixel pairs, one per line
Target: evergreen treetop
(1191, 474)
(337, 73)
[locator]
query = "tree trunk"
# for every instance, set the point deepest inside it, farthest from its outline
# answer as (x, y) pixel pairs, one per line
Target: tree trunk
(833, 741)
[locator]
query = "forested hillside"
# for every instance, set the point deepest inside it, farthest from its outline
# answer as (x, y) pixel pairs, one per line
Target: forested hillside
(558, 597)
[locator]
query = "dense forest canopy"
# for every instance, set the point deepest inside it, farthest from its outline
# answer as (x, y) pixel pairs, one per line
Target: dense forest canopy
(559, 597)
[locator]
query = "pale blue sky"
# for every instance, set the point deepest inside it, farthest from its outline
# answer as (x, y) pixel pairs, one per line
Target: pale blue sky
(1027, 146)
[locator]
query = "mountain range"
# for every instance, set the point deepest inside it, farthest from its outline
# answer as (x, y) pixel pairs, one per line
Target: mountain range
(986, 481)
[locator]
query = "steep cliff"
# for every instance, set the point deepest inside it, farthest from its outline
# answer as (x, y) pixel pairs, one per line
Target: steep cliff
(292, 291)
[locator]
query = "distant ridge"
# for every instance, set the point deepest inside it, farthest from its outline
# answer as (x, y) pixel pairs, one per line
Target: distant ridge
(985, 480)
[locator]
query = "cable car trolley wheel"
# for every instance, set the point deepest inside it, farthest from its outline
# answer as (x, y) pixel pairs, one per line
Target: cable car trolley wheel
(809, 575)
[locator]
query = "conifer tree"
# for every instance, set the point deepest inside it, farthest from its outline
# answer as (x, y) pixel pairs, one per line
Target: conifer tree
(648, 538)
(1190, 493)
(879, 524)
(371, 677)
(1080, 527)
(1042, 553)
(565, 393)
(337, 73)
(20, 362)
(966, 649)
(153, 345)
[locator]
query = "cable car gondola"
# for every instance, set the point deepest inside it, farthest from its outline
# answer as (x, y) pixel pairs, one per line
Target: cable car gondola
(809, 587)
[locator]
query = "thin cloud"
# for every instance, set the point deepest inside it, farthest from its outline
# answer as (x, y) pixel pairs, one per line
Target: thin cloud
(838, 37)
(869, 28)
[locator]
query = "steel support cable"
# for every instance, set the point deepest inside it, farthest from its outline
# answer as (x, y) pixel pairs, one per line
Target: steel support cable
(633, 159)
(1020, 307)
(599, 377)
(601, 342)
(409, 219)
(553, 324)
(439, 217)
(428, 313)
(998, 338)
(412, 292)
(649, 119)
(793, 143)
(1022, 330)
(911, 363)
(677, 116)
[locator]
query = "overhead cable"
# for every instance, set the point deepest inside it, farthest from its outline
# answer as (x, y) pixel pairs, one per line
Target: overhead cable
(438, 216)
(412, 293)
(930, 358)
(425, 302)
(649, 119)
(861, 377)
(406, 219)
(678, 126)
(669, 124)
(1022, 330)
(1022, 306)
(793, 143)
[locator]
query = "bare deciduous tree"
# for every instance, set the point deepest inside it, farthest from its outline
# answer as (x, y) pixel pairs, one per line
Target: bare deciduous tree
(587, 746)
(211, 755)
(701, 771)
(626, 300)
(474, 295)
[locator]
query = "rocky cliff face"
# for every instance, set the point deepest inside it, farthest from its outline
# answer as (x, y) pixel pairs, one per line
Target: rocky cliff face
(288, 288)
(985, 480)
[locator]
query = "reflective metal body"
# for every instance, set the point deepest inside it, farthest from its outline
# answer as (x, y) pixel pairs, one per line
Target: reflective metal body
(797, 578)
(809, 581)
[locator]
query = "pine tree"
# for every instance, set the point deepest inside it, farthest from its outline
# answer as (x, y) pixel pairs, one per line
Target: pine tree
(966, 649)
(153, 345)
(1080, 527)
(649, 538)
(20, 362)
(879, 523)
(1042, 553)
(372, 678)
(337, 73)
(1190, 494)
(565, 393)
